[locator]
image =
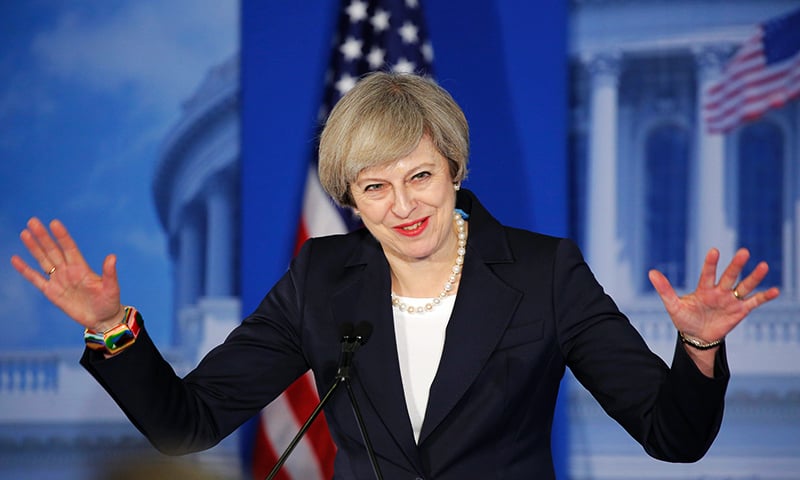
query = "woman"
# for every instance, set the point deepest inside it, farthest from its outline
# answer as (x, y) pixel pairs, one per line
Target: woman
(473, 323)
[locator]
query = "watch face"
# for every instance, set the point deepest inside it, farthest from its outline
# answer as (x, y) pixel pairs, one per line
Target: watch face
(118, 338)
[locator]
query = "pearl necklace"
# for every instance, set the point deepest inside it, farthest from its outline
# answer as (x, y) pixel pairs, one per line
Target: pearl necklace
(454, 273)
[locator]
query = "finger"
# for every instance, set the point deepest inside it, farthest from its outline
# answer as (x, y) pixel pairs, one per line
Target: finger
(29, 239)
(708, 274)
(110, 272)
(51, 250)
(72, 254)
(750, 282)
(664, 289)
(28, 273)
(760, 298)
(728, 278)
(769, 295)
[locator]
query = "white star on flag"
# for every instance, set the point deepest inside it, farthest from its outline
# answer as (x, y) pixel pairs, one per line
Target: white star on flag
(380, 21)
(357, 11)
(351, 48)
(345, 83)
(403, 66)
(427, 51)
(408, 32)
(375, 58)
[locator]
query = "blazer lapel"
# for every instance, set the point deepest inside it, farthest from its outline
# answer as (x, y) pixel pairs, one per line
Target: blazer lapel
(376, 368)
(483, 309)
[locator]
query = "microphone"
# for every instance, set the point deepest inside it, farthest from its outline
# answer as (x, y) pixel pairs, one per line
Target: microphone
(352, 338)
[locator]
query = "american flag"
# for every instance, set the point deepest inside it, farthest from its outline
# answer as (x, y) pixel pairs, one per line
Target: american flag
(763, 74)
(387, 35)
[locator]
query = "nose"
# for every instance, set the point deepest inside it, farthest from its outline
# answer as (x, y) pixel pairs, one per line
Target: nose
(404, 202)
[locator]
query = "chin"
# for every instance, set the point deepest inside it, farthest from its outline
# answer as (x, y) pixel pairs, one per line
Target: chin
(420, 254)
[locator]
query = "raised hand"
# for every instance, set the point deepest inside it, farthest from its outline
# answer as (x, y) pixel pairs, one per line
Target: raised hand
(91, 300)
(715, 308)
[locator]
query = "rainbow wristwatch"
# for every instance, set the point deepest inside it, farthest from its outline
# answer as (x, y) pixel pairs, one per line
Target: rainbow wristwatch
(117, 338)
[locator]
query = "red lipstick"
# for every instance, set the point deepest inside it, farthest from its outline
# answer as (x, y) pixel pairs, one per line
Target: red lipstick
(412, 229)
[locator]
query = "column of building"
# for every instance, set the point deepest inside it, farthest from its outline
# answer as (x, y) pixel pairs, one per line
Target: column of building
(713, 225)
(205, 283)
(206, 255)
(603, 244)
(190, 260)
(220, 240)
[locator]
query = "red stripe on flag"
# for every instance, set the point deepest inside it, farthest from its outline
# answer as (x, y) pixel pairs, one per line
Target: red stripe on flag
(754, 88)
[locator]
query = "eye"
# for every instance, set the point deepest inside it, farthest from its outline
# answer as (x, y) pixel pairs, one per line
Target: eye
(372, 187)
(421, 175)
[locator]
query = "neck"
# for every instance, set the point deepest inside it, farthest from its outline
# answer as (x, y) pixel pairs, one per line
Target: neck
(420, 279)
(426, 278)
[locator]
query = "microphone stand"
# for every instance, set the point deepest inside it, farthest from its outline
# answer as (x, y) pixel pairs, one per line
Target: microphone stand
(349, 346)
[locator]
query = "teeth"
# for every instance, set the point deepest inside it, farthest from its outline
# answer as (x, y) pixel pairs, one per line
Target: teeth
(413, 227)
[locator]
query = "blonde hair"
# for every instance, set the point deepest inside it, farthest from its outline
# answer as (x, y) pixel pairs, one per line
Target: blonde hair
(382, 119)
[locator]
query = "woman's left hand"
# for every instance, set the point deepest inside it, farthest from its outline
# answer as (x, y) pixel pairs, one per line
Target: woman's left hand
(715, 307)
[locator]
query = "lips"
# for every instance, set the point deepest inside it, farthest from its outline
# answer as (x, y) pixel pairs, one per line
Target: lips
(412, 229)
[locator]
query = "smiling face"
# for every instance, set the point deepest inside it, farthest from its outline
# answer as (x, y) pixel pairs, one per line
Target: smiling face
(380, 120)
(408, 205)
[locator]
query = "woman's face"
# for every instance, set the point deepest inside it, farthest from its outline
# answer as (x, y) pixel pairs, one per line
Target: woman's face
(408, 205)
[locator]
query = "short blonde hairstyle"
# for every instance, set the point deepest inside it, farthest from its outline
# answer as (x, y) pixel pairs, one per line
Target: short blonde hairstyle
(382, 119)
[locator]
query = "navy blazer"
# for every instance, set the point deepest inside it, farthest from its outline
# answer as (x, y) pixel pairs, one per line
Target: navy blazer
(528, 306)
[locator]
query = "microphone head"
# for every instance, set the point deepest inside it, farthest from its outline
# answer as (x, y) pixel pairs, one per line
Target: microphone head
(346, 330)
(362, 332)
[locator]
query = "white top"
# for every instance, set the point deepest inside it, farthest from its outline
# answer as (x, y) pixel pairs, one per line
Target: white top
(420, 341)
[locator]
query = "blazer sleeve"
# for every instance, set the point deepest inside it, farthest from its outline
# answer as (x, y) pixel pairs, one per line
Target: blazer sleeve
(258, 360)
(674, 413)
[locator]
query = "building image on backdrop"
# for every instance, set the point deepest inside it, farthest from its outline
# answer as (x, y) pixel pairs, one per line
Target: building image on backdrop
(195, 193)
(654, 189)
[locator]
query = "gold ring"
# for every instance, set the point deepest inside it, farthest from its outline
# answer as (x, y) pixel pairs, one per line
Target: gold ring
(52, 270)
(737, 295)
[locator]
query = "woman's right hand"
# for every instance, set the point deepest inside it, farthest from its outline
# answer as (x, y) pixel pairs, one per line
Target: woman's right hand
(90, 299)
